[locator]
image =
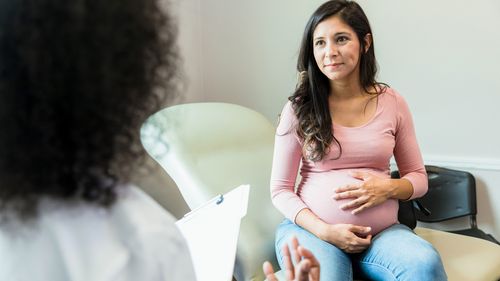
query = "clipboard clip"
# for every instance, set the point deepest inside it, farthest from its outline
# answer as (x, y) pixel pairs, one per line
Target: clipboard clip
(220, 199)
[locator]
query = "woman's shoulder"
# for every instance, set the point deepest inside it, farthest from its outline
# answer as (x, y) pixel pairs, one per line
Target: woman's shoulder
(288, 108)
(287, 119)
(391, 96)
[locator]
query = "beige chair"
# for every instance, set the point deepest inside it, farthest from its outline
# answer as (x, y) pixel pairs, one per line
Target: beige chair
(465, 258)
(210, 148)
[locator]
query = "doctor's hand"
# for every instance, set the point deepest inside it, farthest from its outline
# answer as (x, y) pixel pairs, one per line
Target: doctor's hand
(306, 267)
(370, 192)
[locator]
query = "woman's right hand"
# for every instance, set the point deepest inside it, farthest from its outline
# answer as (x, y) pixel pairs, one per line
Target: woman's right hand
(347, 237)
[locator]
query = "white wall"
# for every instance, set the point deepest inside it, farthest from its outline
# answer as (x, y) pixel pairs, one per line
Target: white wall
(190, 41)
(442, 56)
(250, 51)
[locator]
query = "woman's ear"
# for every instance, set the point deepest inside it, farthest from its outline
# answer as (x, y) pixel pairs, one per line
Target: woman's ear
(368, 42)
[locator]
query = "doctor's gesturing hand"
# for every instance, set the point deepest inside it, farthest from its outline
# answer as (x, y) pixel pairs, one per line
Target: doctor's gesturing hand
(306, 266)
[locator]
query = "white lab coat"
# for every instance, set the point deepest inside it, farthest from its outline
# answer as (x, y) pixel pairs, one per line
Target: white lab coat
(135, 239)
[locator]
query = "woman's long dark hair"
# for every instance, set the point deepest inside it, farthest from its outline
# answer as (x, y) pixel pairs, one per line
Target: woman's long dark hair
(310, 99)
(77, 80)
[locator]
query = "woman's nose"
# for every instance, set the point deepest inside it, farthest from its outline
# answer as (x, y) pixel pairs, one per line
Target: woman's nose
(331, 50)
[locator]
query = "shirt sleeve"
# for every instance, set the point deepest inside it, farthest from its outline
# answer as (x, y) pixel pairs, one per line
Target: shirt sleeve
(161, 254)
(407, 152)
(286, 162)
(176, 263)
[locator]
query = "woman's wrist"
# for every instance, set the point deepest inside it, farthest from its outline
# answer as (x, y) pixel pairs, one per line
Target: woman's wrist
(401, 189)
(324, 232)
(393, 186)
(309, 221)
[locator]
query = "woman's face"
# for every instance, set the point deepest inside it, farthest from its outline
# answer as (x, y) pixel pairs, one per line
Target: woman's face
(336, 49)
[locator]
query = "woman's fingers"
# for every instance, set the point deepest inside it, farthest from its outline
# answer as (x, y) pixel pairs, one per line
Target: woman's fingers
(347, 191)
(353, 238)
(359, 244)
(362, 207)
(362, 230)
(354, 203)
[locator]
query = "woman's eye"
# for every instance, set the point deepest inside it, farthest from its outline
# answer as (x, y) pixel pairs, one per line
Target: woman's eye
(342, 39)
(319, 43)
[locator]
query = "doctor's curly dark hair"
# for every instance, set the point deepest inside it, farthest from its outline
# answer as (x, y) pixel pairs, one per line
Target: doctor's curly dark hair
(77, 80)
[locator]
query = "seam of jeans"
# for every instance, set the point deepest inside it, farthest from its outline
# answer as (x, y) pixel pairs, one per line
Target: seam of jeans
(382, 267)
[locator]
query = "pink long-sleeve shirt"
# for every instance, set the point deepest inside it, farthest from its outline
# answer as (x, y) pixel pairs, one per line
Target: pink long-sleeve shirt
(365, 148)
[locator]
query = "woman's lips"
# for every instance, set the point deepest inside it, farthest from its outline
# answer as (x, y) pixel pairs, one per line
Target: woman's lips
(333, 65)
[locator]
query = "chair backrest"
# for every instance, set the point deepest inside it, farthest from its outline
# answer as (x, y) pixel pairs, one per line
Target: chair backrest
(210, 148)
(451, 194)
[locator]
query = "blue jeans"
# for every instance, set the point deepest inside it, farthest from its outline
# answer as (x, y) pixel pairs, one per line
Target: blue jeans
(396, 253)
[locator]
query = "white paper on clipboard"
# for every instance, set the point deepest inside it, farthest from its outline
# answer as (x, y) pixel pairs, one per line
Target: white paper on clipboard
(211, 232)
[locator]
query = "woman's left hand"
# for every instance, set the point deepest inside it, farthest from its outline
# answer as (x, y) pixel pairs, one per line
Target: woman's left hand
(370, 192)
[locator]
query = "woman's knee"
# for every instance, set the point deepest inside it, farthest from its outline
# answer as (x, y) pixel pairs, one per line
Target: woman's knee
(429, 262)
(406, 255)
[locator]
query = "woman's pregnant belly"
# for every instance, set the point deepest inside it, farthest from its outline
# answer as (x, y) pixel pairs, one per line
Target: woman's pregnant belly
(317, 191)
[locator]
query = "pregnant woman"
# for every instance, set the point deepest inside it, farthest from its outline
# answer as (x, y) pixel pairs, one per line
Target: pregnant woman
(341, 128)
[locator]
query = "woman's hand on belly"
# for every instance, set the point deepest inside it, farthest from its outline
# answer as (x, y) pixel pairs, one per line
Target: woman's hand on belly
(347, 237)
(370, 192)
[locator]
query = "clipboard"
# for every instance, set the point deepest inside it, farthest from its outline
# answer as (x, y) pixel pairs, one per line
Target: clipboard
(211, 232)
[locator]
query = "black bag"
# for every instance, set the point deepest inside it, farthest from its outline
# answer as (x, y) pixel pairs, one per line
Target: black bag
(406, 213)
(407, 209)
